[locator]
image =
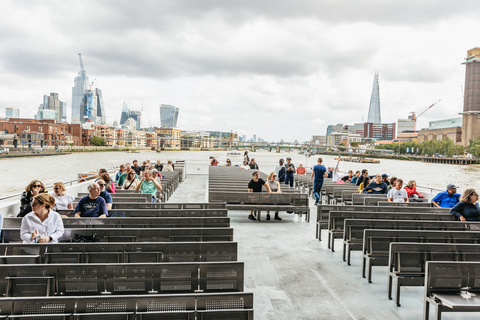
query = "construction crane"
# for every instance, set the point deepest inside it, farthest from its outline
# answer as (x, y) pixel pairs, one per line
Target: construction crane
(414, 116)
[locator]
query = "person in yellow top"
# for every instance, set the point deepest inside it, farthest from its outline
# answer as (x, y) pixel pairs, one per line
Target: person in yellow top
(366, 181)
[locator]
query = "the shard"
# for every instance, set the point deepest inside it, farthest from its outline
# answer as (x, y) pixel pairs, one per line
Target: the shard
(374, 110)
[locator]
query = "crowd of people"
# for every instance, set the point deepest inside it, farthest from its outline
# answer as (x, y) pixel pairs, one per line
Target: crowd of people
(40, 221)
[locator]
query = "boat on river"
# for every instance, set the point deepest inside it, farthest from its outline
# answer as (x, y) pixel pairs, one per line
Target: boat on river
(358, 159)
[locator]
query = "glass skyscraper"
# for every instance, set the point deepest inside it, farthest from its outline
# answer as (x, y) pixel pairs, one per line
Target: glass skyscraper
(78, 94)
(101, 118)
(125, 113)
(374, 110)
(168, 116)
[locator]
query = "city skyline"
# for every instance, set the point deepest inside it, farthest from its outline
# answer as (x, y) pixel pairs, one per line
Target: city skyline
(242, 66)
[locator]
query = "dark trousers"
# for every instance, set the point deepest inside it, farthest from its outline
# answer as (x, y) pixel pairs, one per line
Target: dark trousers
(317, 187)
(289, 179)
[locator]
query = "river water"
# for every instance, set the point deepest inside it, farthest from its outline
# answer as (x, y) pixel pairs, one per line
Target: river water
(18, 172)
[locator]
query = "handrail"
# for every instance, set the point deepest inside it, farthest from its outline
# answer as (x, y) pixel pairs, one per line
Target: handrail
(65, 182)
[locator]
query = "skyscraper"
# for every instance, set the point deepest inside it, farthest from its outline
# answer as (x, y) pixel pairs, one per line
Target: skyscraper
(136, 115)
(101, 118)
(12, 113)
(168, 116)
(78, 95)
(471, 100)
(374, 110)
(54, 107)
(125, 113)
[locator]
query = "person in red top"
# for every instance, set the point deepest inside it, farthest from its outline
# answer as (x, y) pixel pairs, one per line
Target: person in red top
(411, 189)
(301, 169)
(213, 162)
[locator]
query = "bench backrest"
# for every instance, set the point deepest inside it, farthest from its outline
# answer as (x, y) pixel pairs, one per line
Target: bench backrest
(405, 204)
(452, 276)
(359, 198)
(130, 210)
(297, 199)
(135, 235)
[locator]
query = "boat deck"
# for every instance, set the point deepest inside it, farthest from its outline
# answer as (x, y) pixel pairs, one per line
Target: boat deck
(294, 276)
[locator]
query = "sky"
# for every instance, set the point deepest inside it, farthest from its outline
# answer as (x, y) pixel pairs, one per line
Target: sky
(278, 69)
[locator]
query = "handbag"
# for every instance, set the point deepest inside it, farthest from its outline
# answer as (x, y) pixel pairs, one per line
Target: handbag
(79, 238)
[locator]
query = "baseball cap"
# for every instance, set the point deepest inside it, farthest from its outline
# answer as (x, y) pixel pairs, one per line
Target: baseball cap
(452, 186)
(384, 175)
(289, 158)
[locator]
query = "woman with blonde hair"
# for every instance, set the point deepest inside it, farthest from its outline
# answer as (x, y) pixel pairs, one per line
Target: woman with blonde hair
(35, 187)
(42, 225)
(274, 187)
(63, 200)
(467, 209)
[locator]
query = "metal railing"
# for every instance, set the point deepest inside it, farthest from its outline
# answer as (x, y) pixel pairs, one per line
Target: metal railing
(67, 183)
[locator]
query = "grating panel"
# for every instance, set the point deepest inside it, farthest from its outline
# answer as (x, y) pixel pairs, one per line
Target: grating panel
(129, 272)
(175, 285)
(43, 307)
(106, 317)
(106, 306)
(221, 272)
(29, 288)
(128, 286)
(167, 305)
(165, 317)
(81, 287)
(225, 303)
(81, 273)
(221, 284)
(31, 272)
(175, 272)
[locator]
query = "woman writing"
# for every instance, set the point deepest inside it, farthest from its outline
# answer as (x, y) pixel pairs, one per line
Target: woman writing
(42, 225)
(274, 187)
(467, 209)
(34, 188)
(131, 182)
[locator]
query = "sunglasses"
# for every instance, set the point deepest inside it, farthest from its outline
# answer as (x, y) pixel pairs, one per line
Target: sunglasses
(101, 184)
(33, 203)
(57, 188)
(37, 186)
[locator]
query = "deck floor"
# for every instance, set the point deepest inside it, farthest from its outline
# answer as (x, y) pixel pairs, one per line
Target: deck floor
(295, 276)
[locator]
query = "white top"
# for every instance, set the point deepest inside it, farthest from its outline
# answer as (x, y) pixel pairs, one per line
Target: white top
(133, 185)
(247, 167)
(167, 167)
(52, 226)
(62, 201)
(397, 195)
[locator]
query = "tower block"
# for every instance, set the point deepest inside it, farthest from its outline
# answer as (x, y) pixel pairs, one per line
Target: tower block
(471, 101)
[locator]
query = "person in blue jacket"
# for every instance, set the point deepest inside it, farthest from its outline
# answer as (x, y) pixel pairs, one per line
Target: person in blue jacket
(467, 209)
(447, 199)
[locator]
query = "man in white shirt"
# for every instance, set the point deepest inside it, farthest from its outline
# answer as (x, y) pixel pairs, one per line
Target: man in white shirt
(397, 194)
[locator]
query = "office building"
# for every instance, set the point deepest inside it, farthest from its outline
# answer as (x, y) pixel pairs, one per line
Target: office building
(78, 96)
(379, 131)
(335, 128)
(51, 108)
(168, 116)
(374, 109)
(12, 113)
(125, 113)
(136, 115)
(446, 123)
(101, 118)
(405, 125)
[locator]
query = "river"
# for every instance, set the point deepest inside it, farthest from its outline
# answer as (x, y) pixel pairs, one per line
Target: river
(18, 172)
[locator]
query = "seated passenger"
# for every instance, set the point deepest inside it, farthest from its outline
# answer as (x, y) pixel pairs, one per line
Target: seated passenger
(365, 182)
(412, 192)
(42, 225)
(245, 166)
(397, 194)
(228, 163)
(131, 182)
(467, 209)
(159, 165)
(35, 187)
(355, 177)
(385, 179)
(447, 199)
(392, 183)
(149, 185)
(168, 166)
(93, 205)
(109, 186)
(348, 177)
(104, 194)
(377, 186)
(120, 172)
(301, 169)
(255, 185)
(123, 176)
(63, 200)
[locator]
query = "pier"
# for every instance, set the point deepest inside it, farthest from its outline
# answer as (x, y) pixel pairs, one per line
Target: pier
(461, 161)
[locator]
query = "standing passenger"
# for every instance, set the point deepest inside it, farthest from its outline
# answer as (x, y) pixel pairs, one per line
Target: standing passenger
(274, 187)
(280, 171)
(318, 173)
(245, 156)
(290, 178)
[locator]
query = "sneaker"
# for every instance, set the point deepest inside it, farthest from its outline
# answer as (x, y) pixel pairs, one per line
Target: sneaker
(251, 217)
(277, 217)
(316, 203)
(268, 217)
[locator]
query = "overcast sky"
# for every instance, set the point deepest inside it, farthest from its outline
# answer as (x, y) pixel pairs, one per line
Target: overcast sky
(280, 69)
